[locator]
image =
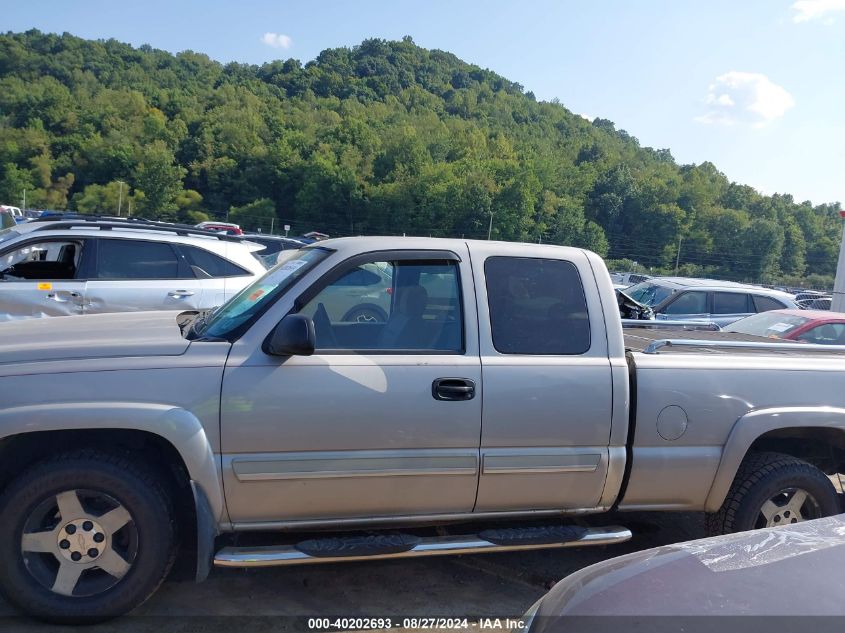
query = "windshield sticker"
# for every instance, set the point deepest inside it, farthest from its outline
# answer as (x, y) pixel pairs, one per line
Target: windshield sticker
(780, 327)
(292, 266)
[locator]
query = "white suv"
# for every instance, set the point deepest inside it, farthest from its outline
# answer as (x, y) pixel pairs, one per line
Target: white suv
(56, 267)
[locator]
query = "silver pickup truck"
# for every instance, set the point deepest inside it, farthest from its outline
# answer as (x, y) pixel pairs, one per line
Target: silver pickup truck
(492, 395)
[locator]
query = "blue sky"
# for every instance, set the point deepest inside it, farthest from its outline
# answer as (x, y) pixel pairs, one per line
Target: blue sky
(755, 86)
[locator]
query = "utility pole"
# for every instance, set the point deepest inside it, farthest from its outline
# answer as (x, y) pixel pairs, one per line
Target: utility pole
(838, 303)
(272, 223)
(120, 198)
(490, 228)
(678, 257)
(23, 207)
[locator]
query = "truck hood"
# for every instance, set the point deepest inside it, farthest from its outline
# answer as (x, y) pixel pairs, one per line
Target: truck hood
(118, 334)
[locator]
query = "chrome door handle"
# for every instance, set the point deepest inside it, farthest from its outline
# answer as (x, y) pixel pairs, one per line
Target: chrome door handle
(180, 294)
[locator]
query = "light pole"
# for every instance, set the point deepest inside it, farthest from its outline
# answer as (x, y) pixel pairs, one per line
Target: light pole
(490, 227)
(838, 303)
(119, 197)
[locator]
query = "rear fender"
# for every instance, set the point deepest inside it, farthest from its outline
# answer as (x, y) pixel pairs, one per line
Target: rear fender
(757, 423)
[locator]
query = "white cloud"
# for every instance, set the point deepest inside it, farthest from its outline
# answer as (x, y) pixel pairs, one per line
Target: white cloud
(277, 40)
(807, 10)
(740, 97)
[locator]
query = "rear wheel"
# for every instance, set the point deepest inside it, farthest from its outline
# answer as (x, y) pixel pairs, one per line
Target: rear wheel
(770, 490)
(86, 536)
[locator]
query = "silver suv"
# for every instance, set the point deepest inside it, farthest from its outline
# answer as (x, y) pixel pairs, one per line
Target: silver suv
(721, 302)
(83, 265)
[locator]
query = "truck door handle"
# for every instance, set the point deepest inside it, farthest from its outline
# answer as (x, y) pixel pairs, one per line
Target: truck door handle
(452, 389)
(180, 294)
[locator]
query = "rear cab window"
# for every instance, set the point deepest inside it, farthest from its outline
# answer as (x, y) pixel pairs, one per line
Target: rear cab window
(537, 306)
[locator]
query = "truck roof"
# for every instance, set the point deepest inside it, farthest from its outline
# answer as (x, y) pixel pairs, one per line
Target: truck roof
(387, 242)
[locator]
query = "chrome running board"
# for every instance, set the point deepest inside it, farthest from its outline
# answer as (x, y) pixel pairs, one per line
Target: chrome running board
(273, 556)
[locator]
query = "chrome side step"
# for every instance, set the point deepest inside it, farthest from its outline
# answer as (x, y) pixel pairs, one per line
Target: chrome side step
(272, 556)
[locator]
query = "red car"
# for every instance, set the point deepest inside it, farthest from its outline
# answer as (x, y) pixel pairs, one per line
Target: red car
(221, 227)
(810, 326)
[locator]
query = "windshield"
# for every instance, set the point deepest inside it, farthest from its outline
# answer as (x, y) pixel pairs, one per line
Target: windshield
(258, 296)
(648, 293)
(771, 324)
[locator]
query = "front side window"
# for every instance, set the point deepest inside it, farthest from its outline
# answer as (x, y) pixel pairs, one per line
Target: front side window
(688, 303)
(55, 259)
(234, 316)
(537, 306)
(136, 259)
(411, 305)
(730, 303)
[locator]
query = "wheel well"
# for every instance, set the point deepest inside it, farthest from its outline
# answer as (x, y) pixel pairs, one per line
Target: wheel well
(822, 447)
(18, 452)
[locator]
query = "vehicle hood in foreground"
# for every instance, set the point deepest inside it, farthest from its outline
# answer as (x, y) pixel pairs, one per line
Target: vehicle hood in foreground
(119, 334)
(792, 570)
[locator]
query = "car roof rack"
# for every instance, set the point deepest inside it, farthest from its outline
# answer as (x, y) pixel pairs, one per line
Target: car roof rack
(107, 223)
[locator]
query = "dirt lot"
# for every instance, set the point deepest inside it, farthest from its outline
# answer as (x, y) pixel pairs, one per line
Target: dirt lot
(282, 599)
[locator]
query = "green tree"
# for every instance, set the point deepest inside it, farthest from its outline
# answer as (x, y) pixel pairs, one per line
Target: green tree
(258, 215)
(13, 182)
(160, 178)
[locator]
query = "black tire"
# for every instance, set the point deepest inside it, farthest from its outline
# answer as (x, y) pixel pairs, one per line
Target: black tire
(115, 476)
(365, 313)
(761, 477)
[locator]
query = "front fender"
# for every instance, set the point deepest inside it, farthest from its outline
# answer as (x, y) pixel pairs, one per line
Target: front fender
(178, 426)
(756, 423)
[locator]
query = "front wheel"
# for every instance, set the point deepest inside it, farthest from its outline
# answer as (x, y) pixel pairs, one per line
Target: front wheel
(85, 537)
(771, 490)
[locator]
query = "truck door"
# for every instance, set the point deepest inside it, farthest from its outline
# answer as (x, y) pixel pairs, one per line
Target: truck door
(383, 420)
(547, 383)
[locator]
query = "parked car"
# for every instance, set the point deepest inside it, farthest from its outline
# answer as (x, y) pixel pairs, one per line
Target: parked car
(221, 227)
(810, 326)
(14, 212)
(498, 387)
(814, 300)
(273, 246)
(626, 280)
(722, 302)
(788, 572)
(85, 265)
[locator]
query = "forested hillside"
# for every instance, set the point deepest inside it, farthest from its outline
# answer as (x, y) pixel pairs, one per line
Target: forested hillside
(386, 137)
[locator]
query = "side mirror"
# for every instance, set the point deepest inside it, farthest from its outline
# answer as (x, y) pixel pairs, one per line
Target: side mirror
(293, 336)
